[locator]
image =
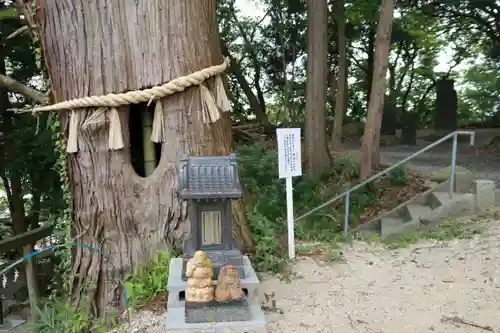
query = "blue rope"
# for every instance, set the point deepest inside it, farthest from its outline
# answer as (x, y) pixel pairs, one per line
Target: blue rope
(53, 247)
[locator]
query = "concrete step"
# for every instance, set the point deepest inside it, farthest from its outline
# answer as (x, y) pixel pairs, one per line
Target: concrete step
(416, 212)
(391, 226)
(441, 198)
(434, 205)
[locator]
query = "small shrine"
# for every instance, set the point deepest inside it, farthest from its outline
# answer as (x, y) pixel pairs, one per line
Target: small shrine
(209, 184)
(213, 286)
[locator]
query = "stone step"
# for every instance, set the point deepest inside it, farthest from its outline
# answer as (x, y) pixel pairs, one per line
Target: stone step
(176, 286)
(391, 226)
(416, 212)
(441, 199)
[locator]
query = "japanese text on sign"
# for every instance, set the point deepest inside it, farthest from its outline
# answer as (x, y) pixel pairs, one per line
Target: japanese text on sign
(289, 152)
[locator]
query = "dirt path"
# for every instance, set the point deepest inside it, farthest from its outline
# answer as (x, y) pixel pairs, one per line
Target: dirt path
(409, 290)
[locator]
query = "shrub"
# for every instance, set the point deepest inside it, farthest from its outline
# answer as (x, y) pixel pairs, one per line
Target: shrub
(149, 282)
(399, 176)
(266, 210)
(56, 315)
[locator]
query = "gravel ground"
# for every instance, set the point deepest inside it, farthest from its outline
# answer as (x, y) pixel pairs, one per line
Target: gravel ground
(418, 289)
(410, 290)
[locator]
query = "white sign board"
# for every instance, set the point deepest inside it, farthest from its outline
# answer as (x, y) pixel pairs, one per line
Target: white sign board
(289, 152)
(289, 165)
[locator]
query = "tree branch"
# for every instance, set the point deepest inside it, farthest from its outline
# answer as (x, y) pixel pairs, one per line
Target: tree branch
(358, 63)
(15, 86)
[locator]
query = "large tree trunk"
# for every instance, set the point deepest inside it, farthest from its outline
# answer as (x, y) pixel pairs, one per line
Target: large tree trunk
(104, 46)
(316, 145)
(369, 148)
(341, 97)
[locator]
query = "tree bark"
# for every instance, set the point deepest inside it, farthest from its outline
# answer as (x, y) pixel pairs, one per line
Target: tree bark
(370, 62)
(369, 148)
(316, 147)
(340, 99)
(104, 46)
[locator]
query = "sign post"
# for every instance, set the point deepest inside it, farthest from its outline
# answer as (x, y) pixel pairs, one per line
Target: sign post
(289, 165)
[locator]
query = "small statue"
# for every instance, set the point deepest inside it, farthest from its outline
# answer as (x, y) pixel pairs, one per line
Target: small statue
(199, 273)
(228, 285)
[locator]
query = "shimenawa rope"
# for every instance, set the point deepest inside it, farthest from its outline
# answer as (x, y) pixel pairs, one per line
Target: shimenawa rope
(210, 105)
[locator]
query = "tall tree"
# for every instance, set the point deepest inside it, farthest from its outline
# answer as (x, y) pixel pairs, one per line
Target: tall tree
(316, 147)
(165, 39)
(341, 94)
(369, 147)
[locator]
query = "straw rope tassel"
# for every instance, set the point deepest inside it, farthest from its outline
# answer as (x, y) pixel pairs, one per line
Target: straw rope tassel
(221, 94)
(210, 111)
(157, 129)
(115, 140)
(72, 146)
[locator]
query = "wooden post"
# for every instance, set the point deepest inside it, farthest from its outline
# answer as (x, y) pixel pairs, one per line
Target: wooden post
(31, 283)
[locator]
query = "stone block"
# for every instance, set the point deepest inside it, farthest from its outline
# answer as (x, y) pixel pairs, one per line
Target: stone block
(463, 182)
(497, 197)
(176, 322)
(485, 194)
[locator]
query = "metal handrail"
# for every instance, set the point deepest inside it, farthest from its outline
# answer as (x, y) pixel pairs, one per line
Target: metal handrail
(347, 193)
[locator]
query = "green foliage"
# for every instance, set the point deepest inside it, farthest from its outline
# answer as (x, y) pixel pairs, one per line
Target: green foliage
(59, 316)
(479, 92)
(7, 13)
(63, 222)
(266, 209)
(399, 176)
(150, 280)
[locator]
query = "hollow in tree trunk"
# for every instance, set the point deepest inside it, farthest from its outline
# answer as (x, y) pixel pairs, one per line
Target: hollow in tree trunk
(104, 46)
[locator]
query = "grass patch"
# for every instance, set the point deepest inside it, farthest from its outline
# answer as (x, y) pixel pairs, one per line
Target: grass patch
(58, 315)
(266, 210)
(448, 230)
(149, 282)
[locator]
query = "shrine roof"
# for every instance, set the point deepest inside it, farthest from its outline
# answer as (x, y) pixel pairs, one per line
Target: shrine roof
(209, 177)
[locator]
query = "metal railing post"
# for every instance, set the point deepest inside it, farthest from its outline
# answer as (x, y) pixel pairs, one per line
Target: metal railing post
(392, 167)
(346, 214)
(453, 164)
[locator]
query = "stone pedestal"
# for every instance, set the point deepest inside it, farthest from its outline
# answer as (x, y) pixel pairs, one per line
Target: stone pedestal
(240, 316)
(485, 194)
